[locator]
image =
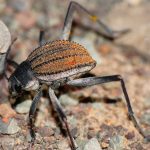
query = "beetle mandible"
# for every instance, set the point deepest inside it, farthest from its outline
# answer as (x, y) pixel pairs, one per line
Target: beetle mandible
(57, 62)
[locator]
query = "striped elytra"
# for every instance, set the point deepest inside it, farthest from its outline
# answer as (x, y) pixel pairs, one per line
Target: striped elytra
(59, 59)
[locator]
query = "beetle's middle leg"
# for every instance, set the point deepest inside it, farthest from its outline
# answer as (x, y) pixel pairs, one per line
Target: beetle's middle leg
(97, 25)
(106, 79)
(58, 108)
(32, 114)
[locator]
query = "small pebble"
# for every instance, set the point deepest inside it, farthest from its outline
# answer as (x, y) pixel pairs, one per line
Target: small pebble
(117, 142)
(92, 144)
(23, 107)
(9, 128)
(67, 100)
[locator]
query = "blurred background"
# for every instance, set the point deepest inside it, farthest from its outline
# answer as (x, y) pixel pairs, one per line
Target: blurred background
(97, 112)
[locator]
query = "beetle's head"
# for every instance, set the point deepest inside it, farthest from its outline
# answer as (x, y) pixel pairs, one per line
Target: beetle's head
(22, 79)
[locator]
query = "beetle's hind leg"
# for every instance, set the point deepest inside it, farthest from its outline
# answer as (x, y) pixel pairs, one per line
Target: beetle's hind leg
(41, 37)
(58, 108)
(97, 25)
(114, 78)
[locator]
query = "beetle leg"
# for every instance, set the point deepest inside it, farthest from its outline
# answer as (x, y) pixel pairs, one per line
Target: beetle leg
(32, 114)
(97, 25)
(114, 78)
(41, 37)
(58, 108)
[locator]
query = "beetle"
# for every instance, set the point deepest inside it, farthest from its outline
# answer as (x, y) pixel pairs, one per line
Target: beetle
(57, 63)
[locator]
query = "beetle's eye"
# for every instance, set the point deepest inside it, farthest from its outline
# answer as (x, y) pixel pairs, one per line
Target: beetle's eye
(18, 88)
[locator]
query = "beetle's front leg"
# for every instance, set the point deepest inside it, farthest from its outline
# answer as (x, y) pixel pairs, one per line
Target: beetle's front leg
(97, 25)
(114, 78)
(58, 108)
(32, 114)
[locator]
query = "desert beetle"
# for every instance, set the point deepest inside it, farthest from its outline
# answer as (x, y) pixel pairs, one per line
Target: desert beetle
(57, 63)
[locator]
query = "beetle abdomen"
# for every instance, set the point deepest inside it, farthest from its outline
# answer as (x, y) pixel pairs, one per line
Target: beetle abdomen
(60, 59)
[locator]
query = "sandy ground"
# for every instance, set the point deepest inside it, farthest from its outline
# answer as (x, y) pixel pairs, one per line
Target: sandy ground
(95, 112)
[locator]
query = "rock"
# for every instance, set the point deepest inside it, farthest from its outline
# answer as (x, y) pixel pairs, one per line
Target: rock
(5, 40)
(23, 107)
(67, 100)
(9, 128)
(92, 144)
(117, 142)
